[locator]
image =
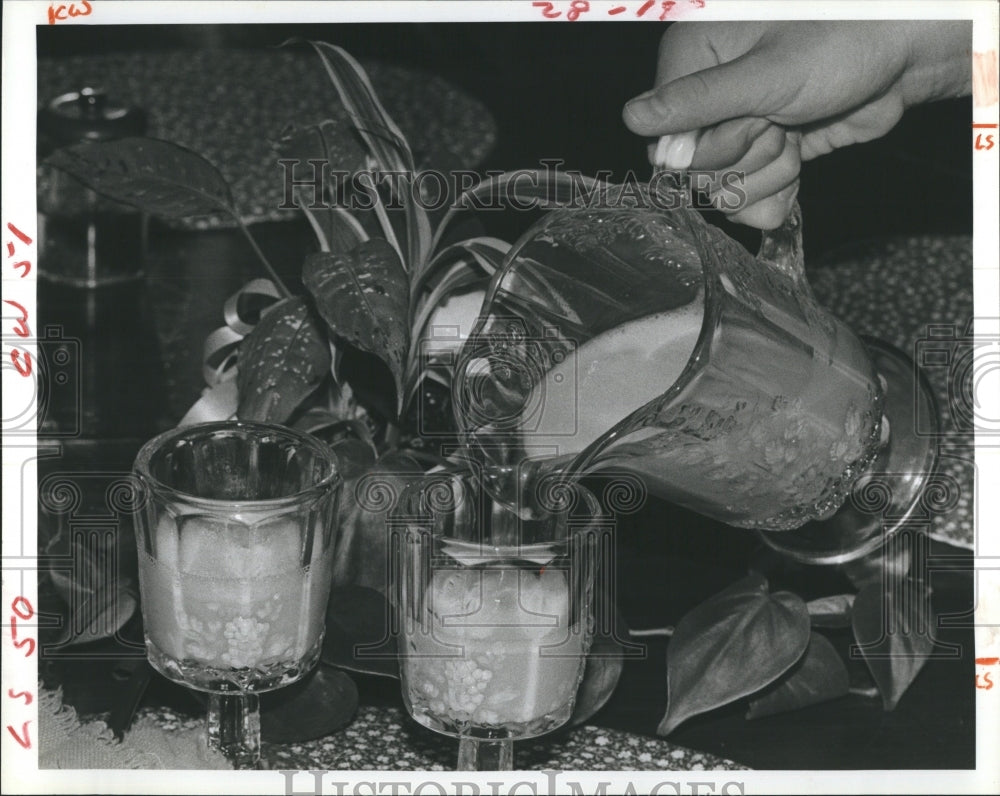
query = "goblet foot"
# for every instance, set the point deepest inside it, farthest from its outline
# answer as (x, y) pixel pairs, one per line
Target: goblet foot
(233, 726)
(883, 498)
(485, 753)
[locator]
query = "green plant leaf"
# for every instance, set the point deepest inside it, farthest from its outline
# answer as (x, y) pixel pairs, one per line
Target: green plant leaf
(832, 611)
(552, 188)
(363, 295)
(98, 616)
(369, 493)
(281, 362)
(819, 675)
(357, 632)
(319, 704)
(158, 177)
(605, 664)
(384, 139)
(487, 252)
(730, 646)
(332, 142)
(893, 626)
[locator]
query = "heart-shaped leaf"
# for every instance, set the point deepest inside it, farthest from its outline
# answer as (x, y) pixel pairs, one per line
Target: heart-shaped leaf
(361, 556)
(98, 616)
(363, 297)
(319, 704)
(819, 675)
(357, 632)
(831, 611)
(127, 698)
(605, 663)
(281, 362)
(893, 625)
(156, 176)
(732, 645)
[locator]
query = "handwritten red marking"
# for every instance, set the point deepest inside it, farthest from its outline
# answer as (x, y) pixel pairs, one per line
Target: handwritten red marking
(23, 238)
(25, 695)
(987, 680)
(984, 142)
(616, 10)
(987, 661)
(24, 604)
(547, 10)
(22, 321)
(30, 643)
(25, 741)
(576, 8)
(667, 6)
(984, 126)
(645, 7)
(61, 13)
(26, 265)
(21, 366)
(697, 3)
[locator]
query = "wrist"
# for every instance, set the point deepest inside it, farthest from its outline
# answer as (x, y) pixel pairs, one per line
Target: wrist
(940, 61)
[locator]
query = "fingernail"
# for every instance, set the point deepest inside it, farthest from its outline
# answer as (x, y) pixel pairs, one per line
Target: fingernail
(675, 151)
(641, 97)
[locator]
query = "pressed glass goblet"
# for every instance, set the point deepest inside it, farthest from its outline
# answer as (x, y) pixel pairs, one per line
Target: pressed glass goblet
(495, 612)
(235, 534)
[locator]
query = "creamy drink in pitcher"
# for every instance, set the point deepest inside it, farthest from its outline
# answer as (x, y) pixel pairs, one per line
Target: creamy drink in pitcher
(614, 373)
(772, 420)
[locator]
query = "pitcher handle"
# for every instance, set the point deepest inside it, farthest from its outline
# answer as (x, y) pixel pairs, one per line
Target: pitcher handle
(781, 248)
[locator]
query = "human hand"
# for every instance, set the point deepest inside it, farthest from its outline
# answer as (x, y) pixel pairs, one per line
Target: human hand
(760, 97)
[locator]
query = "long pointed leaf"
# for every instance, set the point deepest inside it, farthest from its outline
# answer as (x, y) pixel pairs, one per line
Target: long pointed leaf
(331, 142)
(362, 296)
(554, 188)
(281, 362)
(488, 252)
(158, 177)
(385, 140)
(893, 625)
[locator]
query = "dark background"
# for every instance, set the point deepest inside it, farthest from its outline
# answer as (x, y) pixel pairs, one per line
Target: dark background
(557, 90)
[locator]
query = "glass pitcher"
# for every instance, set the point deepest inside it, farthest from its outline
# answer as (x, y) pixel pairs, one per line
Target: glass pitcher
(630, 334)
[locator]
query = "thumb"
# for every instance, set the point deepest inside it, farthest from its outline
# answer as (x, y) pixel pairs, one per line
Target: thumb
(741, 87)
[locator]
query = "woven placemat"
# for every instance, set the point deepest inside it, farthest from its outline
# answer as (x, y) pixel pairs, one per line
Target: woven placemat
(227, 105)
(387, 739)
(909, 292)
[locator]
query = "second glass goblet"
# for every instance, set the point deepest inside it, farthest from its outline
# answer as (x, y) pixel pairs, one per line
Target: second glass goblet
(236, 533)
(495, 612)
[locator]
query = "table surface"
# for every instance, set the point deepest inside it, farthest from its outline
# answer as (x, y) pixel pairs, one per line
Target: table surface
(668, 559)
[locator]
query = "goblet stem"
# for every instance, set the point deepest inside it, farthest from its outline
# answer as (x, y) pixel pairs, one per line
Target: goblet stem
(476, 754)
(234, 728)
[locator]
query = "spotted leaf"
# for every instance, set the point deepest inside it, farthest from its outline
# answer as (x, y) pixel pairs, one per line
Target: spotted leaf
(281, 362)
(363, 296)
